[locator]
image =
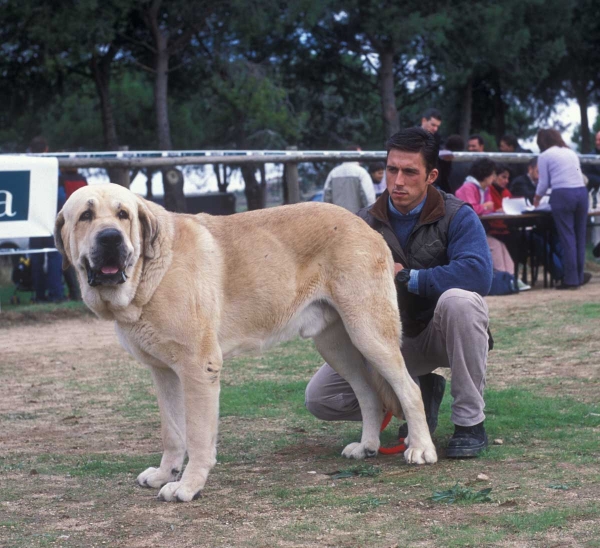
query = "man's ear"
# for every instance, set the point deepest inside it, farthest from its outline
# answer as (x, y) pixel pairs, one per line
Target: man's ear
(58, 240)
(149, 224)
(433, 175)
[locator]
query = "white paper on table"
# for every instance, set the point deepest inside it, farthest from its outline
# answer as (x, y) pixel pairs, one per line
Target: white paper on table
(516, 206)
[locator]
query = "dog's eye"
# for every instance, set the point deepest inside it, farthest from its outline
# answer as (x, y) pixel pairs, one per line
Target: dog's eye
(86, 215)
(123, 215)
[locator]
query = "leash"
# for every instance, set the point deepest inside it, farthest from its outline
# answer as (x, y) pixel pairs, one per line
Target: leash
(394, 450)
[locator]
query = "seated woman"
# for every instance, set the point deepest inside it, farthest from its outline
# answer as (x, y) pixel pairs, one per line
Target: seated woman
(499, 229)
(475, 189)
(482, 190)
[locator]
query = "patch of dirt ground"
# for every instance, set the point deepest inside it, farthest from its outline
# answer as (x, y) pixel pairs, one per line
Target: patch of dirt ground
(69, 394)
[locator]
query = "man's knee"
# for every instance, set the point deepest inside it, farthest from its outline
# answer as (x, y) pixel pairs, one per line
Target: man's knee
(460, 304)
(328, 406)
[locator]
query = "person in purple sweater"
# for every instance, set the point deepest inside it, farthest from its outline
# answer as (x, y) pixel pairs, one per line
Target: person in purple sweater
(559, 169)
(443, 271)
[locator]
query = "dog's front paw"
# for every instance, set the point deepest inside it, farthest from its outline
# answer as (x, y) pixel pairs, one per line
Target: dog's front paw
(178, 491)
(361, 451)
(420, 455)
(156, 477)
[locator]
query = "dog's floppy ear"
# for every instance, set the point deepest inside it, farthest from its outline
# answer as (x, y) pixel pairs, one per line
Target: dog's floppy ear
(58, 241)
(149, 224)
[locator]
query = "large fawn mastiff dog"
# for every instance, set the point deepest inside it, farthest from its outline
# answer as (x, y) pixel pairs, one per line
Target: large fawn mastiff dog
(188, 291)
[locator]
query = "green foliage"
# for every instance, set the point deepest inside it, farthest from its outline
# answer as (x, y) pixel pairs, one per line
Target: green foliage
(462, 495)
(271, 75)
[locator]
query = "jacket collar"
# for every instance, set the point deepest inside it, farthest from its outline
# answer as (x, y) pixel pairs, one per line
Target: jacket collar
(434, 207)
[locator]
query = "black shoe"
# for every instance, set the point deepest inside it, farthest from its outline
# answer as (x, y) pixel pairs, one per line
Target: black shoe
(596, 250)
(467, 441)
(563, 285)
(587, 276)
(432, 391)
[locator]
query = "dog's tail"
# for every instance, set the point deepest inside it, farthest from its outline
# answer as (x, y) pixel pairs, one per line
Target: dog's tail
(386, 394)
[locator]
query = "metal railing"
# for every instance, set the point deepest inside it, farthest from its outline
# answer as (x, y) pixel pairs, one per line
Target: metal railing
(157, 159)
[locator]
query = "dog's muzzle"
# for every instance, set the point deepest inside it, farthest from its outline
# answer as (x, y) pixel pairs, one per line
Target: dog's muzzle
(108, 260)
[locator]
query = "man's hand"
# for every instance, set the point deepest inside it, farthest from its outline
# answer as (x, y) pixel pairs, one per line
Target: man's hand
(536, 200)
(397, 268)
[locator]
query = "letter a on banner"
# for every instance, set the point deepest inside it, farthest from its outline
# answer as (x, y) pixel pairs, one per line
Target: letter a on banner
(28, 196)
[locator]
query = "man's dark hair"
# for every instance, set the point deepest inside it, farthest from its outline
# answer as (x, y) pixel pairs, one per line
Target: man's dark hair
(432, 113)
(38, 145)
(416, 139)
(511, 141)
(455, 143)
(532, 162)
(478, 137)
(547, 138)
(376, 166)
(482, 169)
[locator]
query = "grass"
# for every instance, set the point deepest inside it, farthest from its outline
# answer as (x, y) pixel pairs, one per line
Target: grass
(279, 478)
(464, 495)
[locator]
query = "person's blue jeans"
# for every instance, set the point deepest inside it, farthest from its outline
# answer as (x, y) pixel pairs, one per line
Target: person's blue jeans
(47, 285)
(569, 209)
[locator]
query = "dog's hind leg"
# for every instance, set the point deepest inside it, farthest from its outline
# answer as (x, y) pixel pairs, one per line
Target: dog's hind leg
(335, 346)
(371, 319)
(382, 352)
(172, 423)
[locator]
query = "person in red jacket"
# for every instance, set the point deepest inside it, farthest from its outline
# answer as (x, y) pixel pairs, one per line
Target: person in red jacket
(70, 179)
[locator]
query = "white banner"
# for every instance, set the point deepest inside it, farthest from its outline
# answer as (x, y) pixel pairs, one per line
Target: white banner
(28, 196)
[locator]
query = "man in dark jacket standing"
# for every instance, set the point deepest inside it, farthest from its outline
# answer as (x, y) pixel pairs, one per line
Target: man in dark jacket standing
(592, 171)
(443, 270)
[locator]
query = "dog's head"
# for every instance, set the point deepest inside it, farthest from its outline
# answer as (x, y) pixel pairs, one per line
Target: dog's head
(103, 230)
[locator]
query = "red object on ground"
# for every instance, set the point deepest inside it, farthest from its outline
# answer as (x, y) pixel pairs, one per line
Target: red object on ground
(394, 450)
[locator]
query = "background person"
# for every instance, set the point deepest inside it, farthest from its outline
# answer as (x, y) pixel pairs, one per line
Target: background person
(377, 173)
(458, 171)
(46, 268)
(71, 180)
(443, 270)
(475, 143)
(592, 171)
(523, 186)
(431, 120)
(475, 189)
(349, 185)
(559, 169)
(509, 143)
(476, 192)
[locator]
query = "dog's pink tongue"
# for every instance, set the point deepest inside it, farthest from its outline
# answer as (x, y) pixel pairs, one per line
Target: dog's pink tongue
(109, 270)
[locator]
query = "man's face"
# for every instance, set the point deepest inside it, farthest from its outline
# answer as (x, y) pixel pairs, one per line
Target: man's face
(598, 141)
(502, 179)
(505, 147)
(432, 125)
(407, 179)
(377, 176)
(533, 173)
(474, 146)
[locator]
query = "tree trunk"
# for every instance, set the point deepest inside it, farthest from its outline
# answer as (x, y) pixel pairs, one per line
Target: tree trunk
(100, 67)
(499, 111)
(101, 72)
(466, 110)
(160, 34)
(582, 101)
(391, 122)
(255, 192)
(161, 82)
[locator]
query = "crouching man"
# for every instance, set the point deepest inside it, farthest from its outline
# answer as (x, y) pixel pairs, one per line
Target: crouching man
(443, 270)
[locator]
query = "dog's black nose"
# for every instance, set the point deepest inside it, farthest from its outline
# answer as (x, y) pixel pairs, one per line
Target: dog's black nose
(111, 237)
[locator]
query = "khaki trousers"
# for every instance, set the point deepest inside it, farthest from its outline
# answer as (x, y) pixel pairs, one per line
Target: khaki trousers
(456, 337)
